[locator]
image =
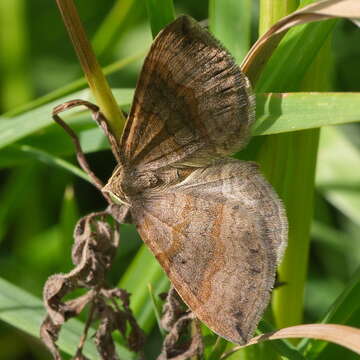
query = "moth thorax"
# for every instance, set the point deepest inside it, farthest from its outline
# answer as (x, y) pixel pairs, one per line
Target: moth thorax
(136, 182)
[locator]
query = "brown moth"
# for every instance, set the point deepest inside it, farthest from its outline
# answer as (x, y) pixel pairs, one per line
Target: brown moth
(214, 223)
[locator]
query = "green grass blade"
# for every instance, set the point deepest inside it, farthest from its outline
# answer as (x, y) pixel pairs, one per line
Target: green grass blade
(156, 308)
(11, 197)
(68, 89)
(291, 173)
(56, 142)
(336, 177)
(339, 313)
(289, 63)
(276, 113)
(329, 236)
(15, 86)
(144, 270)
(53, 161)
(218, 349)
(161, 13)
(288, 160)
(230, 22)
(34, 120)
(25, 312)
(109, 28)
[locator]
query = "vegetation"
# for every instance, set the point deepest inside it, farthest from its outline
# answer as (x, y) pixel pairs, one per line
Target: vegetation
(315, 171)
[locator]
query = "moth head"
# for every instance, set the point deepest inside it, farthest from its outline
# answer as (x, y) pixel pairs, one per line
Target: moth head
(113, 187)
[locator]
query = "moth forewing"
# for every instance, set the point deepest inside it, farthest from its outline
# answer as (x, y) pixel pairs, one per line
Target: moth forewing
(215, 224)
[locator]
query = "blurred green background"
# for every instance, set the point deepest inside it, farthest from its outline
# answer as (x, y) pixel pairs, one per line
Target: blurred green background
(40, 203)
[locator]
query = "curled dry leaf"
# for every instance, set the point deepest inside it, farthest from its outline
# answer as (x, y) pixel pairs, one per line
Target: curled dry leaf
(49, 333)
(262, 50)
(177, 320)
(103, 337)
(173, 309)
(136, 337)
(94, 249)
(346, 336)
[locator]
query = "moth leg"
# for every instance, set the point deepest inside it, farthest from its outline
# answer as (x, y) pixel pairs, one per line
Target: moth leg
(178, 320)
(101, 121)
(278, 282)
(120, 213)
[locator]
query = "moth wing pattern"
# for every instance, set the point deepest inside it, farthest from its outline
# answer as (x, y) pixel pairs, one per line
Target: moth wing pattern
(192, 103)
(219, 234)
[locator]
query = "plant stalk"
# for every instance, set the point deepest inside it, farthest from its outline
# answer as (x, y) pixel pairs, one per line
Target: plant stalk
(289, 162)
(93, 73)
(286, 160)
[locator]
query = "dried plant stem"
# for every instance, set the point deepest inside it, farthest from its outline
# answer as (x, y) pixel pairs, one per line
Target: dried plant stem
(86, 329)
(94, 75)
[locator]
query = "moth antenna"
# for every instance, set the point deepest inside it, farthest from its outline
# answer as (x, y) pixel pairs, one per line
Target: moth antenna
(99, 118)
(75, 139)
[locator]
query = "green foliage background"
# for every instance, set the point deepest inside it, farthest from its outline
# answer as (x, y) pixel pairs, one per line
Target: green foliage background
(41, 201)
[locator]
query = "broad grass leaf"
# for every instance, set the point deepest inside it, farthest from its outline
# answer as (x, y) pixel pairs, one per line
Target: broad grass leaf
(16, 128)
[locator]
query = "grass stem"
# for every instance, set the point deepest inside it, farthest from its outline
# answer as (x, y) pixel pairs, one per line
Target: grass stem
(94, 75)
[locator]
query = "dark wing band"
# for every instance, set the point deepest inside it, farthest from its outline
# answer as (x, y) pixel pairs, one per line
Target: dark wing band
(192, 102)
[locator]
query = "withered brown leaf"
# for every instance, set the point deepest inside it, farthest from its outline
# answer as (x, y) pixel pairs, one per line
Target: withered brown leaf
(214, 223)
(96, 241)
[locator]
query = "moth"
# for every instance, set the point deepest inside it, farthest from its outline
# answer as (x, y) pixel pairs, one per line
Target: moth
(214, 223)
